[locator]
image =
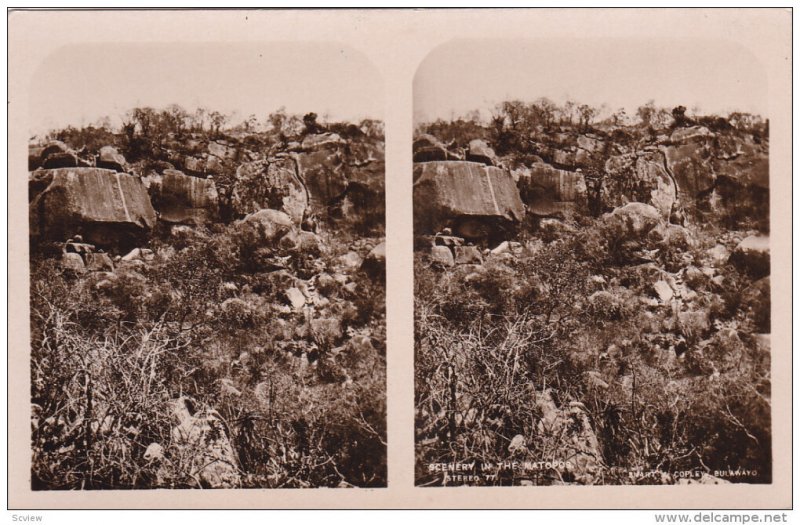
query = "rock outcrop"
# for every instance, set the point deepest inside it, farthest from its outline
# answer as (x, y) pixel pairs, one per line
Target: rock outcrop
(472, 198)
(326, 175)
(345, 180)
(428, 148)
(181, 199)
(639, 178)
(363, 202)
(274, 184)
(693, 174)
(111, 159)
(548, 191)
(721, 178)
(479, 151)
(107, 208)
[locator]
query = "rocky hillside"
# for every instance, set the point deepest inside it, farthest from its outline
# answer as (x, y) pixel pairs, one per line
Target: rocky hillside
(208, 305)
(592, 299)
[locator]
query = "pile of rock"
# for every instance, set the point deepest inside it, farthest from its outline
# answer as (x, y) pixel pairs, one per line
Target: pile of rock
(79, 257)
(325, 177)
(447, 250)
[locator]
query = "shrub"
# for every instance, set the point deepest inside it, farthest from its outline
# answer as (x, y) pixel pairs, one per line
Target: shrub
(489, 342)
(99, 402)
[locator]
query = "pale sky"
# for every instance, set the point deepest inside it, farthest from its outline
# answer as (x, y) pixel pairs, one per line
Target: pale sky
(80, 84)
(466, 75)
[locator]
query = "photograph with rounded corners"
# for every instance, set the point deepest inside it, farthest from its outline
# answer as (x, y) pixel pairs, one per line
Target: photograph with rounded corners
(591, 264)
(207, 267)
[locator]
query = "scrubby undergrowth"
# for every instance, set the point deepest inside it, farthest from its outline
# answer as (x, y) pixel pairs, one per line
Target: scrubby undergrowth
(231, 354)
(667, 390)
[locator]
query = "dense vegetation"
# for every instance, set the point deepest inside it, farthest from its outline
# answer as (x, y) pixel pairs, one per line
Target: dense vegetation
(203, 314)
(566, 325)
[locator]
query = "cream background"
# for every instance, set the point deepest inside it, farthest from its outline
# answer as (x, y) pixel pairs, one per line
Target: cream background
(396, 42)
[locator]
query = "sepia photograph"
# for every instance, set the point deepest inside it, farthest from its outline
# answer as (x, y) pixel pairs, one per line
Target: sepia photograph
(406, 258)
(591, 264)
(207, 268)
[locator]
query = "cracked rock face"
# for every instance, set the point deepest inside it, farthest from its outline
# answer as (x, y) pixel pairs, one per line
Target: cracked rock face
(639, 178)
(548, 191)
(273, 184)
(465, 193)
(344, 179)
(182, 199)
(106, 207)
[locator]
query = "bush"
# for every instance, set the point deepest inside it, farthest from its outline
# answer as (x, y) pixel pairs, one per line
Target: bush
(661, 389)
(98, 403)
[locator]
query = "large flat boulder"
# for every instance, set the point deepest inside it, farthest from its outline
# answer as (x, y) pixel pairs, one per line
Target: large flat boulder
(447, 193)
(182, 199)
(106, 207)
